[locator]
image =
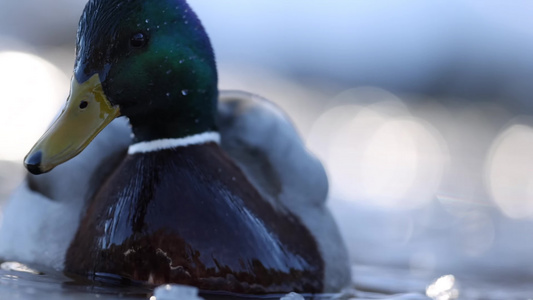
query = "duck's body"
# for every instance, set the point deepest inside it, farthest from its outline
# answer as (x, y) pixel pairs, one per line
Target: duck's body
(189, 215)
(42, 217)
(247, 215)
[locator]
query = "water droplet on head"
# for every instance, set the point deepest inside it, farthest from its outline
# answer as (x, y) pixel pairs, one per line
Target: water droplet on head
(147, 21)
(169, 71)
(184, 92)
(181, 61)
(168, 94)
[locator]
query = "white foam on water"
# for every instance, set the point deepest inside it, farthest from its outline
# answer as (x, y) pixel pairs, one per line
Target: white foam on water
(175, 291)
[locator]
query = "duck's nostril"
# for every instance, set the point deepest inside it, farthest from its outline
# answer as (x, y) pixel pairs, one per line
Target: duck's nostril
(33, 163)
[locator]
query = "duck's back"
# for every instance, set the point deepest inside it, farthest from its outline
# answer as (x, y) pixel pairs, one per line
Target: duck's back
(189, 215)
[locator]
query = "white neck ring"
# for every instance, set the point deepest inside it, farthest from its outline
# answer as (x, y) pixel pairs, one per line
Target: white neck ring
(163, 144)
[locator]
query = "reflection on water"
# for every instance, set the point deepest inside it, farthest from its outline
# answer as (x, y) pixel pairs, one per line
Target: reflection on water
(369, 283)
(28, 285)
(18, 267)
(21, 282)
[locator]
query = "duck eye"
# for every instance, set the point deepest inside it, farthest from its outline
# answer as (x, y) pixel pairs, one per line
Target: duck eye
(84, 104)
(138, 40)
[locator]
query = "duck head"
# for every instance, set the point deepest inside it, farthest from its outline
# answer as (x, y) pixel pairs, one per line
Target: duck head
(148, 60)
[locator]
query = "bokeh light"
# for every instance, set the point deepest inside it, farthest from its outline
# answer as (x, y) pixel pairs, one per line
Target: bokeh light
(379, 153)
(32, 90)
(509, 171)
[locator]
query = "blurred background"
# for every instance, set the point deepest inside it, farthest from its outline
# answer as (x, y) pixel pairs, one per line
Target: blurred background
(420, 110)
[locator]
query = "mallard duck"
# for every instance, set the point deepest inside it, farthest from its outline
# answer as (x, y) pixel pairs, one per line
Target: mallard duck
(213, 189)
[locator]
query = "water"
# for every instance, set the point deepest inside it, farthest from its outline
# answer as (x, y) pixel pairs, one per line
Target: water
(370, 282)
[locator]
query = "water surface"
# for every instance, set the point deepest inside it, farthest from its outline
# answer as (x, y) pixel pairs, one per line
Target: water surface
(370, 282)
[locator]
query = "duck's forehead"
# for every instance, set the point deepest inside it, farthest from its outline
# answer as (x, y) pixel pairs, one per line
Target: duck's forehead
(116, 10)
(107, 25)
(99, 13)
(97, 32)
(102, 20)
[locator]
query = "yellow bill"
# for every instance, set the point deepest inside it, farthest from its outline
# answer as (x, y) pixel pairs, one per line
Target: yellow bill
(86, 113)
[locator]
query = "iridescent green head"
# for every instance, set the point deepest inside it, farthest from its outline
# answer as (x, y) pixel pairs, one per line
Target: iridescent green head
(155, 62)
(148, 60)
